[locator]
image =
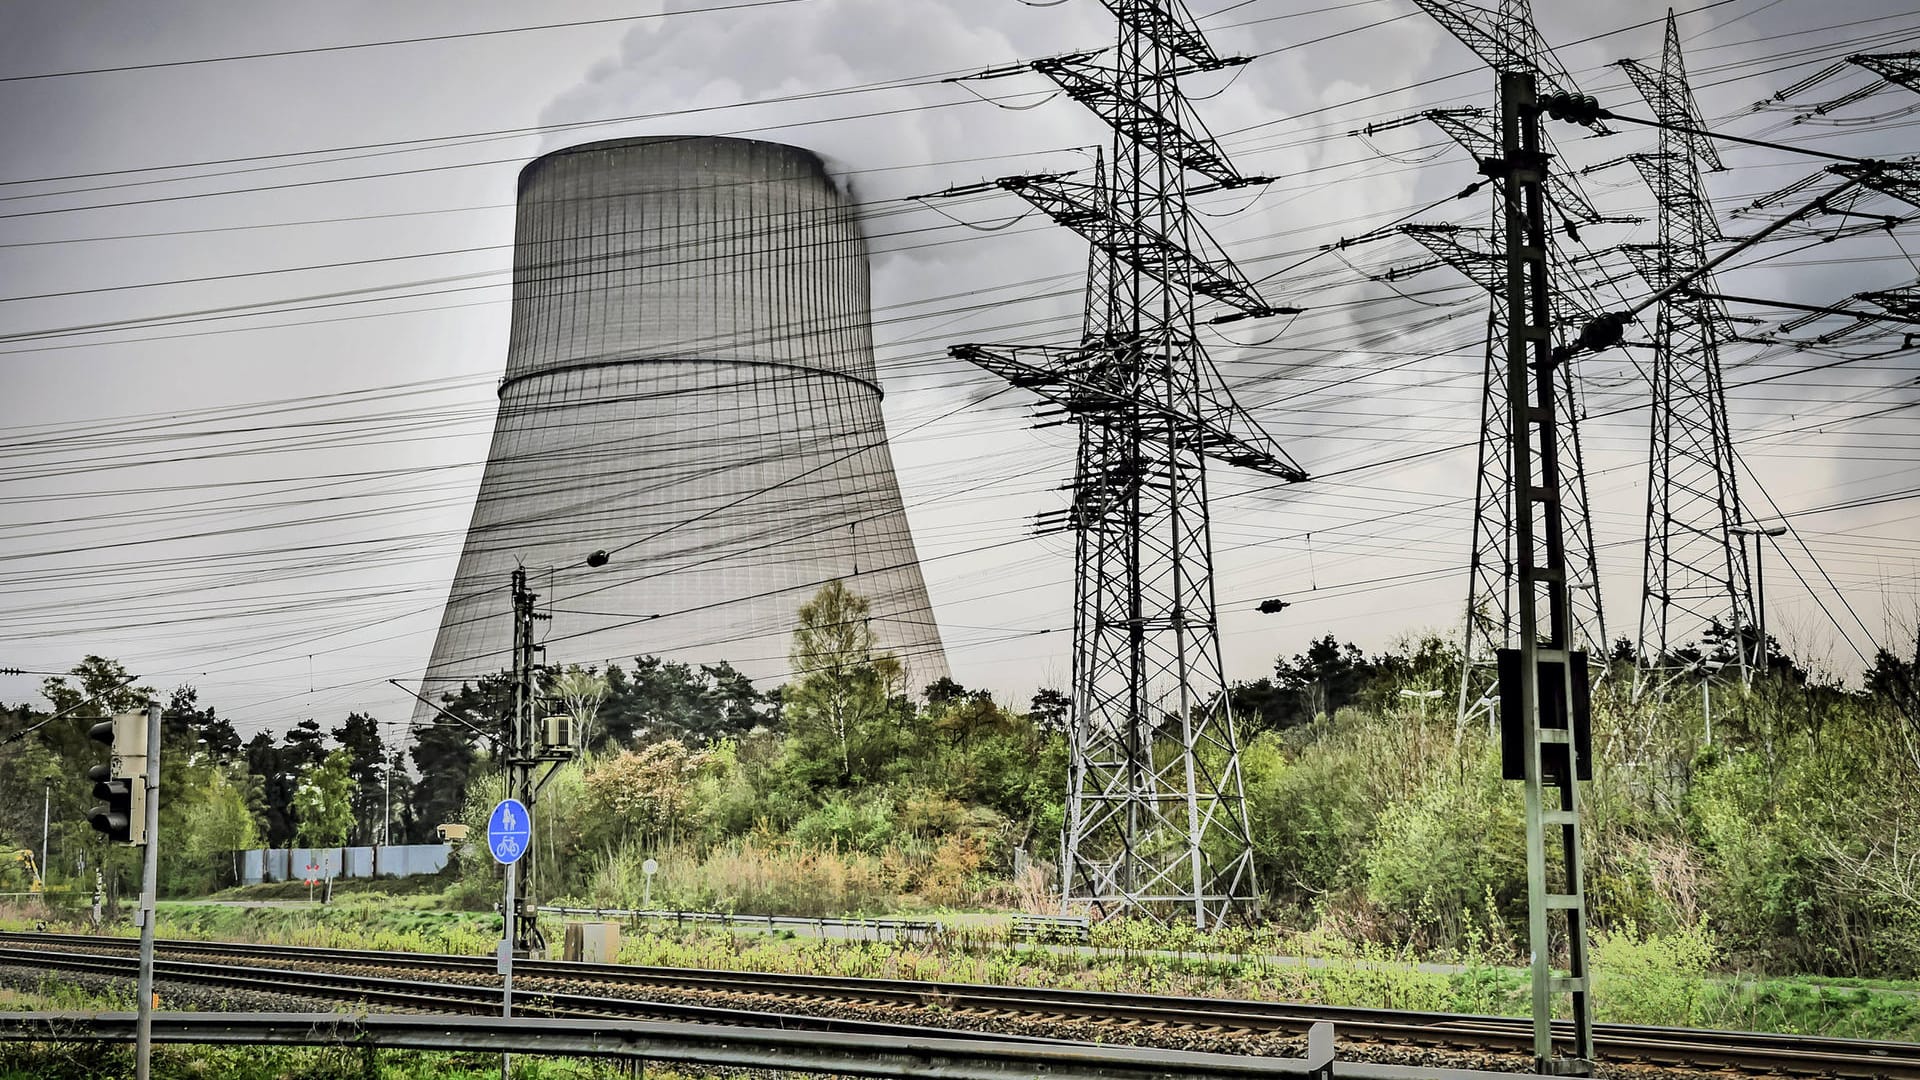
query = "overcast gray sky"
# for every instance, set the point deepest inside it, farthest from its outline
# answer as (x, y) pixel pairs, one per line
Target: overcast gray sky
(252, 311)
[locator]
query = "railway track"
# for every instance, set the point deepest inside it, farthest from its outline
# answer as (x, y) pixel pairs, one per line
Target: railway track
(559, 988)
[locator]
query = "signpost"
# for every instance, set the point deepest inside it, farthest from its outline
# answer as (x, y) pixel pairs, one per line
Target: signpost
(649, 868)
(509, 833)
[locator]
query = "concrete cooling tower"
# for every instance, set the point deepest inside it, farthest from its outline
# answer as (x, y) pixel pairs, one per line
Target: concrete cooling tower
(689, 386)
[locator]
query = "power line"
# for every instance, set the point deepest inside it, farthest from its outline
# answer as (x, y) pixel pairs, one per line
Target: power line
(389, 42)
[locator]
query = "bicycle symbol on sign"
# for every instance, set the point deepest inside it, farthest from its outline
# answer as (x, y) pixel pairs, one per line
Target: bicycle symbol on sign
(509, 831)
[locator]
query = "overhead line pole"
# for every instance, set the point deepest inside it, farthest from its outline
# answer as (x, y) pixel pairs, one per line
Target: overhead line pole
(149, 885)
(517, 759)
(1546, 698)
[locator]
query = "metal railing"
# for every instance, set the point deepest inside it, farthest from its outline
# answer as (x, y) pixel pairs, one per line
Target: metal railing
(869, 929)
(939, 1053)
(1052, 929)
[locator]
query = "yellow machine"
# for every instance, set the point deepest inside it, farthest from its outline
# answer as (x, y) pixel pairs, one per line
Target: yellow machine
(24, 857)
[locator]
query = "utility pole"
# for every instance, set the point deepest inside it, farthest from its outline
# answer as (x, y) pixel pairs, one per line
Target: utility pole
(1543, 697)
(1157, 821)
(46, 829)
(518, 756)
(149, 885)
(386, 817)
(1759, 587)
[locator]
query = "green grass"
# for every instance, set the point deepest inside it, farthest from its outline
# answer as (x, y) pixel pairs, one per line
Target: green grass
(406, 924)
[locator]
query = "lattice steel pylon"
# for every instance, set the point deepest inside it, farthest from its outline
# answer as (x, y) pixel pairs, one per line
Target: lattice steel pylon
(1157, 820)
(1902, 68)
(1508, 42)
(1695, 575)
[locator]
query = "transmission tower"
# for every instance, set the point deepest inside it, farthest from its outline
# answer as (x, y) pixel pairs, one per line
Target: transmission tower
(1695, 577)
(1901, 67)
(1508, 42)
(1157, 821)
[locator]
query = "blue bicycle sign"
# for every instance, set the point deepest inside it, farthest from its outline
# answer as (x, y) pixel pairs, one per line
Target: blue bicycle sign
(509, 831)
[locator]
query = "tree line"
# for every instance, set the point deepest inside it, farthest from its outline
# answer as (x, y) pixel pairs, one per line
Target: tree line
(1375, 813)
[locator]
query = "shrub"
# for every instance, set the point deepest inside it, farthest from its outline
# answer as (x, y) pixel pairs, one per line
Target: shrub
(847, 824)
(1652, 979)
(1437, 858)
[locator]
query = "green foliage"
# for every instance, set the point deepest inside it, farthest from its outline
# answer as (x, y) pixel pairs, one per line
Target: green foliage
(359, 738)
(1382, 829)
(48, 1061)
(323, 802)
(839, 706)
(1652, 978)
(217, 823)
(848, 824)
(746, 877)
(665, 699)
(1310, 818)
(104, 681)
(1438, 857)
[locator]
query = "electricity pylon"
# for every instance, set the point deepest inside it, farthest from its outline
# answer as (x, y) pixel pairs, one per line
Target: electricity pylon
(1157, 820)
(1509, 43)
(1901, 67)
(1695, 575)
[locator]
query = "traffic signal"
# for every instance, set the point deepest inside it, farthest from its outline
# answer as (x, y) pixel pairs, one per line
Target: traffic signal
(121, 784)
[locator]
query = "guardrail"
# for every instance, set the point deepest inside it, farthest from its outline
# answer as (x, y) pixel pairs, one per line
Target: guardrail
(714, 1045)
(1053, 929)
(867, 929)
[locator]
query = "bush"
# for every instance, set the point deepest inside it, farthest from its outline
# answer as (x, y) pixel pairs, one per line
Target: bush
(1439, 858)
(1652, 979)
(746, 877)
(847, 824)
(1310, 819)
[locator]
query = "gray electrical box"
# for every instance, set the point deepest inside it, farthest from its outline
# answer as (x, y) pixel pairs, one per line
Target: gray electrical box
(559, 736)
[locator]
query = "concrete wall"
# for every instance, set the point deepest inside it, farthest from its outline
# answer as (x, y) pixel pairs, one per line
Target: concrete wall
(393, 860)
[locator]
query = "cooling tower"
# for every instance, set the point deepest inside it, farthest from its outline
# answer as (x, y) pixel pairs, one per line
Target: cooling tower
(689, 386)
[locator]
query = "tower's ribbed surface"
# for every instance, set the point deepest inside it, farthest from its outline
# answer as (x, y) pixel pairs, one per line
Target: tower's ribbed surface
(689, 385)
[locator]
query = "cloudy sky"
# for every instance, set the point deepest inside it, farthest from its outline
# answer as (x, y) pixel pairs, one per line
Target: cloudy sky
(253, 304)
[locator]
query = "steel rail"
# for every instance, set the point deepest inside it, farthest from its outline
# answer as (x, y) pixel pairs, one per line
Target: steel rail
(1617, 1042)
(924, 1053)
(472, 998)
(1432, 1029)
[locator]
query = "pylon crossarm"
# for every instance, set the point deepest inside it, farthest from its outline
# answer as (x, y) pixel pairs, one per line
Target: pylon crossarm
(1077, 379)
(1900, 179)
(1902, 68)
(1471, 251)
(1503, 44)
(1480, 265)
(1473, 130)
(1078, 206)
(1903, 301)
(1162, 24)
(1097, 87)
